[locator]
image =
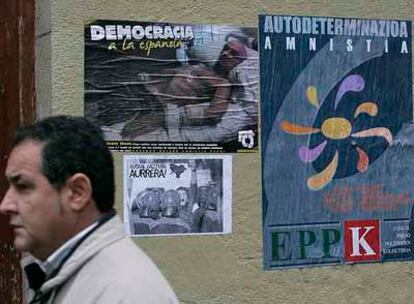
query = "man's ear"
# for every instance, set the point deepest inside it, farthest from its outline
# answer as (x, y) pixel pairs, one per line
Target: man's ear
(78, 191)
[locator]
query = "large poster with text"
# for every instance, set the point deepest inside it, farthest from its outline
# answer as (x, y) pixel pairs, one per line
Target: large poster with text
(337, 140)
(170, 194)
(166, 87)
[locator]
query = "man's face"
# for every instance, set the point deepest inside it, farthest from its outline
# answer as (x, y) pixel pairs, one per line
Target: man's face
(183, 197)
(232, 54)
(35, 207)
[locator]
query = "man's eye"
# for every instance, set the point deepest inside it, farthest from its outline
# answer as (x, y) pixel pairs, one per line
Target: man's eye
(22, 186)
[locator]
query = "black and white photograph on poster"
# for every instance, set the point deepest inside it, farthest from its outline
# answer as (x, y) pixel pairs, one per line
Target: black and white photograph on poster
(168, 87)
(174, 195)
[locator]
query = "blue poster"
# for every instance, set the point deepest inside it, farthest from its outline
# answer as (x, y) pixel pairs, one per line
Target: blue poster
(337, 140)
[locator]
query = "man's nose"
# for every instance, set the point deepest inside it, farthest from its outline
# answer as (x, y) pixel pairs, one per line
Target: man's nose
(8, 203)
(227, 53)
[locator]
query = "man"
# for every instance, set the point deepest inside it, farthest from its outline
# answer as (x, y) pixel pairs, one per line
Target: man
(238, 64)
(60, 203)
(195, 89)
(170, 222)
(203, 103)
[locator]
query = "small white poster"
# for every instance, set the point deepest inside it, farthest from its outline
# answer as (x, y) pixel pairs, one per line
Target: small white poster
(175, 195)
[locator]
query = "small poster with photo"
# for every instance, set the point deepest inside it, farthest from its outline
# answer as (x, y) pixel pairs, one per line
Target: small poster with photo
(175, 195)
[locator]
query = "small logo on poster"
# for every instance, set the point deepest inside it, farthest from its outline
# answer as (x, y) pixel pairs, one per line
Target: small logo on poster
(362, 241)
(246, 138)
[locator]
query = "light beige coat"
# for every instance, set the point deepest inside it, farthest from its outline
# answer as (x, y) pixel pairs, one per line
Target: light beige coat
(108, 268)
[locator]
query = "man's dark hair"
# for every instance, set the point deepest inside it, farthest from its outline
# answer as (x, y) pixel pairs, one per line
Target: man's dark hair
(73, 145)
(183, 188)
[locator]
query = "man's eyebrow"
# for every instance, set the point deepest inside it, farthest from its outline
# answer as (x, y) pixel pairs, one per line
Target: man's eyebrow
(14, 178)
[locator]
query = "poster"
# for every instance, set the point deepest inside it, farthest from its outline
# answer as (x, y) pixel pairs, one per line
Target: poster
(165, 87)
(175, 195)
(337, 140)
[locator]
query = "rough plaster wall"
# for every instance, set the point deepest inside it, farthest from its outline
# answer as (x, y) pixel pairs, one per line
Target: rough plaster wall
(227, 269)
(43, 63)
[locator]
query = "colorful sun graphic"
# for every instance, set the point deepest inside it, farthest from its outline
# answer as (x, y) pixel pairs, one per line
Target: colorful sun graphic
(335, 129)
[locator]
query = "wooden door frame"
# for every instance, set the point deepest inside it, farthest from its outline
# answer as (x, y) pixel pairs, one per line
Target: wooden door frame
(27, 98)
(23, 110)
(17, 95)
